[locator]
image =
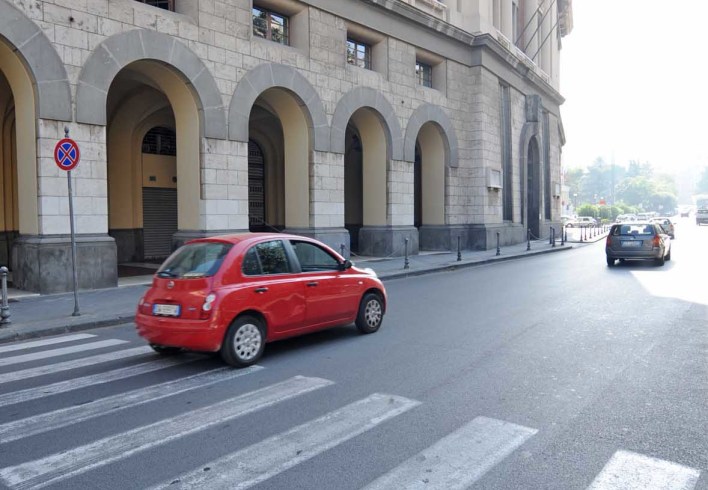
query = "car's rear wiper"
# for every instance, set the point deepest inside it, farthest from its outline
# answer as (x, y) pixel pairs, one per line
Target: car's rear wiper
(166, 274)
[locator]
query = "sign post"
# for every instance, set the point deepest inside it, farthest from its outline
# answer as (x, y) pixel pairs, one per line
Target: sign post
(66, 155)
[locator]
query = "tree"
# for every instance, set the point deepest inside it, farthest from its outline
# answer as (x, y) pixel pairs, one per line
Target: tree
(636, 191)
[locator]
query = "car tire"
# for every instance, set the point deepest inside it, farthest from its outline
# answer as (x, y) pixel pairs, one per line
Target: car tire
(165, 350)
(660, 261)
(244, 342)
(668, 255)
(371, 311)
(610, 262)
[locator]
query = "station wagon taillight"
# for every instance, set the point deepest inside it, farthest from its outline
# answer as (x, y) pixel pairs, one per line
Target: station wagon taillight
(657, 241)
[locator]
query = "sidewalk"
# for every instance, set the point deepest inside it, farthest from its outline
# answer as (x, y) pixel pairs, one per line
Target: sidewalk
(37, 316)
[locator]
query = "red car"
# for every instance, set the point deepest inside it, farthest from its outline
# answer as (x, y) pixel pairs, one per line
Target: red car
(233, 293)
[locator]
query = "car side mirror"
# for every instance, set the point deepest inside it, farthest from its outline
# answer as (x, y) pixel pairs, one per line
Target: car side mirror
(347, 264)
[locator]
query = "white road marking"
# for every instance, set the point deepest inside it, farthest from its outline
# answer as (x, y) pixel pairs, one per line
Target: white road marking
(9, 361)
(74, 364)
(44, 342)
(92, 380)
(276, 454)
(63, 465)
(37, 424)
(632, 471)
(459, 459)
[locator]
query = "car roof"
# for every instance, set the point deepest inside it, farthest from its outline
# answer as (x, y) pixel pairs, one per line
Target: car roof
(235, 238)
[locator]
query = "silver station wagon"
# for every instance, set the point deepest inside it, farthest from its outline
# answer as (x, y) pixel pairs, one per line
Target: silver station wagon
(640, 240)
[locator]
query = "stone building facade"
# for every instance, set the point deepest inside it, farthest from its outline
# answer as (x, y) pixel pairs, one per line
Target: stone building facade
(365, 123)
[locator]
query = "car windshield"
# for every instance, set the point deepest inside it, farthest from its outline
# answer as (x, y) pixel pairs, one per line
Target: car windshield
(195, 260)
(631, 229)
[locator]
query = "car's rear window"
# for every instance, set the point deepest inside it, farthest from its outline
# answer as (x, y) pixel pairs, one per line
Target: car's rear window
(195, 260)
(630, 229)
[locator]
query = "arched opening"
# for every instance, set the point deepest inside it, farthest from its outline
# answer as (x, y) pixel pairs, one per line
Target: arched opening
(280, 150)
(429, 181)
(533, 187)
(153, 163)
(365, 177)
(9, 219)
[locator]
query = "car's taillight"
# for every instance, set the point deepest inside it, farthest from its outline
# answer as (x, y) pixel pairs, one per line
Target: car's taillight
(657, 241)
(608, 242)
(207, 306)
(144, 306)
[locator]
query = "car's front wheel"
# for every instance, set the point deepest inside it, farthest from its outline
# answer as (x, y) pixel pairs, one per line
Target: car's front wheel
(244, 342)
(371, 311)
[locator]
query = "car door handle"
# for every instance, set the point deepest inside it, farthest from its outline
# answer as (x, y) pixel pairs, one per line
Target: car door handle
(312, 284)
(261, 290)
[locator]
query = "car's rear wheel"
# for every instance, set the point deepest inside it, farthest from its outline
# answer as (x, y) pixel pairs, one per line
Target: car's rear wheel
(610, 262)
(668, 255)
(660, 261)
(371, 311)
(244, 342)
(165, 350)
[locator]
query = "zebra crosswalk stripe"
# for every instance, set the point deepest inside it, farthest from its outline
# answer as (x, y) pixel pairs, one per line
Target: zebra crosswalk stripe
(93, 380)
(44, 342)
(74, 364)
(45, 422)
(9, 361)
(63, 465)
(265, 459)
(631, 471)
(459, 459)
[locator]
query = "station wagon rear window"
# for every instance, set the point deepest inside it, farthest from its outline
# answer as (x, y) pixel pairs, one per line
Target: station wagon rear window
(195, 260)
(634, 230)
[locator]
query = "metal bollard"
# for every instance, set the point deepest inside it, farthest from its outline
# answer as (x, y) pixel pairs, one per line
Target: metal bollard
(553, 237)
(406, 264)
(459, 249)
(4, 309)
(550, 235)
(342, 249)
(498, 249)
(528, 239)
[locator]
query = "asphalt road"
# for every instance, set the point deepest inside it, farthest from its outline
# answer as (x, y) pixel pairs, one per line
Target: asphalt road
(552, 372)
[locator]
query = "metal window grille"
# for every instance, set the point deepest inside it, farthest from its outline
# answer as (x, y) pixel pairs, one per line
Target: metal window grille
(271, 25)
(160, 141)
(162, 4)
(358, 54)
(424, 74)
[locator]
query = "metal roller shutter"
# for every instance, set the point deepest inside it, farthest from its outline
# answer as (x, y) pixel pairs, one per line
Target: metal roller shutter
(159, 221)
(256, 188)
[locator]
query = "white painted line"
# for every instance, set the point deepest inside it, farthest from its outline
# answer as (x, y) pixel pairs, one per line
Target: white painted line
(459, 459)
(75, 364)
(93, 380)
(632, 471)
(38, 424)
(45, 342)
(265, 459)
(72, 462)
(9, 361)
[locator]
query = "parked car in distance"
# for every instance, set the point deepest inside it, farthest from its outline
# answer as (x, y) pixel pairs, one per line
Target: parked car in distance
(637, 241)
(701, 216)
(666, 224)
(581, 222)
(625, 218)
(566, 219)
(232, 294)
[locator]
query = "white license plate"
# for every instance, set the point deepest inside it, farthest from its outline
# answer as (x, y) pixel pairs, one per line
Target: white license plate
(632, 244)
(165, 310)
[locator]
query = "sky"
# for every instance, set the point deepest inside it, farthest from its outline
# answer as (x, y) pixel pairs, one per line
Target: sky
(634, 75)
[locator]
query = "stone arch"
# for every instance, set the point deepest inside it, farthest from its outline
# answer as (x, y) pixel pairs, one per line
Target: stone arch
(41, 60)
(366, 97)
(118, 51)
(530, 138)
(431, 113)
(273, 75)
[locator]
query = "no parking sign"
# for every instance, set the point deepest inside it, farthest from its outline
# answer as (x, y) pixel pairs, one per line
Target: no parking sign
(66, 154)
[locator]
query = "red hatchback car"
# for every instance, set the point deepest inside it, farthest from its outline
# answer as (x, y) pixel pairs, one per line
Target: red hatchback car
(233, 293)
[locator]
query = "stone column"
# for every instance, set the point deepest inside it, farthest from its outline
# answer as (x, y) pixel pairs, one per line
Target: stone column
(42, 262)
(506, 19)
(530, 40)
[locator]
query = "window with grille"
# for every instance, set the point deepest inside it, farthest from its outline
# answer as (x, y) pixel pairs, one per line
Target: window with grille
(358, 54)
(162, 4)
(270, 25)
(160, 141)
(424, 74)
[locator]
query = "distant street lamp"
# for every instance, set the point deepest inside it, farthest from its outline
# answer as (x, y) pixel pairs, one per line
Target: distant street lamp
(575, 202)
